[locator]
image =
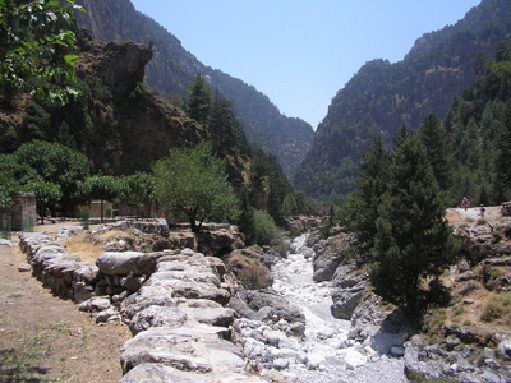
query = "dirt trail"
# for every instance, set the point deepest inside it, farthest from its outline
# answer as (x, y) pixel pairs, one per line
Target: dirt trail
(46, 339)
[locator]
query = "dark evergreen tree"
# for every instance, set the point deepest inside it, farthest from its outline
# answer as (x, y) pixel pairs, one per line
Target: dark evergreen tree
(198, 104)
(503, 157)
(433, 138)
(361, 210)
(412, 239)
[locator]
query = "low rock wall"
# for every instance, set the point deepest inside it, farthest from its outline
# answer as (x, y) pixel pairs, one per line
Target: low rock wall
(174, 302)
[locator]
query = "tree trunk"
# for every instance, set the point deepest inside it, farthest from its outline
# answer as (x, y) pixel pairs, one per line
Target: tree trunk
(101, 211)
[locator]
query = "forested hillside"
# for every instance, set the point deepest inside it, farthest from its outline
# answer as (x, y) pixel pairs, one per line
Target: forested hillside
(172, 69)
(383, 96)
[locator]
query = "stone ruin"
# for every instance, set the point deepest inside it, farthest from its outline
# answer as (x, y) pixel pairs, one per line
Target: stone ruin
(173, 301)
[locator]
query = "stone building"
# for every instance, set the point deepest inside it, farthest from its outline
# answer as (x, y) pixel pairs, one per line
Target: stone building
(22, 216)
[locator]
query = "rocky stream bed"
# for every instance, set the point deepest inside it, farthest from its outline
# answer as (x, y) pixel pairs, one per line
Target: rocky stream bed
(325, 349)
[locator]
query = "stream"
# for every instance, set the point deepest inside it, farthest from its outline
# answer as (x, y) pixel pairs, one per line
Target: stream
(329, 355)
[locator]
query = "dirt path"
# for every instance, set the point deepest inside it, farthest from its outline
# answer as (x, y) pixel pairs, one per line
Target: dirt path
(46, 339)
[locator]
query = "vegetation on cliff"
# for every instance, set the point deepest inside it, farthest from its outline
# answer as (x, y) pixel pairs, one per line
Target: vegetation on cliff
(382, 96)
(173, 69)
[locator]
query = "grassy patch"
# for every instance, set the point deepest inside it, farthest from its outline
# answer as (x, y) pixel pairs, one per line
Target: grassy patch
(497, 309)
(82, 246)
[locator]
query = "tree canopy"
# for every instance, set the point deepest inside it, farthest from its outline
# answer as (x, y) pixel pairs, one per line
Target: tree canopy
(193, 182)
(37, 49)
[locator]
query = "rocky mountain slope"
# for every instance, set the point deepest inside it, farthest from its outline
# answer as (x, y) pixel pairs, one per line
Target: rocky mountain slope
(382, 96)
(172, 69)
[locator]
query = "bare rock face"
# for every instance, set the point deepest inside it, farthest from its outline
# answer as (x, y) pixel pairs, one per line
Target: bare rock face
(328, 256)
(349, 287)
(122, 67)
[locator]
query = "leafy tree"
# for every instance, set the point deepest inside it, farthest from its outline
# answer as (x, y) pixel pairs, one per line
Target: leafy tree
(412, 239)
(13, 177)
(290, 207)
(137, 189)
(37, 48)
(54, 164)
(46, 193)
(100, 187)
(193, 182)
(266, 231)
(198, 104)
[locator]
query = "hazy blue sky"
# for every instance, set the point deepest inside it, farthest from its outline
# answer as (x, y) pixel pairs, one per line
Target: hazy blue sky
(300, 52)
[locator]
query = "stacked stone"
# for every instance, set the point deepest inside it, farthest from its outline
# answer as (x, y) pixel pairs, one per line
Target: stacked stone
(56, 268)
(181, 326)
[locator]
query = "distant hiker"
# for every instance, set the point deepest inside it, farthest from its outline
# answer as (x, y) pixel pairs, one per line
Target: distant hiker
(481, 211)
(465, 203)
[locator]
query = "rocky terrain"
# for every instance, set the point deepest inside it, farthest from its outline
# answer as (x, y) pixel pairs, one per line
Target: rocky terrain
(315, 320)
(468, 337)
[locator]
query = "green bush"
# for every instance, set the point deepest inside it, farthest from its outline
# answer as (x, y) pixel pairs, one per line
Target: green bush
(265, 230)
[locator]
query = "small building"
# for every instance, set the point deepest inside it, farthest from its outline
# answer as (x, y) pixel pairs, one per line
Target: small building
(22, 216)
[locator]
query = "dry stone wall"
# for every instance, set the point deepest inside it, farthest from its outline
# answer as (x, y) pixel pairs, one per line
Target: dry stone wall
(174, 302)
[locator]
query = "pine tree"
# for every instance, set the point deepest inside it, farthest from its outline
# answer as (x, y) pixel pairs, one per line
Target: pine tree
(412, 240)
(433, 138)
(198, 104)
(503, 157)
(361, 212)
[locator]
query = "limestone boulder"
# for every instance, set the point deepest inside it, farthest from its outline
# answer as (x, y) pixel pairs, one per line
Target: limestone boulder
(157, 316)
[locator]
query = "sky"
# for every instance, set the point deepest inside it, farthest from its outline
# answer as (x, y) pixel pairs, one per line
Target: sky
(300, 53)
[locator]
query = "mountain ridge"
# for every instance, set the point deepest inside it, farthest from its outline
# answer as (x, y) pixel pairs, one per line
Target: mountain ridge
(382, 96)
(173, 68)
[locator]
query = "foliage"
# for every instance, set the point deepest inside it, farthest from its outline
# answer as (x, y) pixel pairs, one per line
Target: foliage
(47, 194)
(137, 189)
(56, 164)
(254, 277)
(198, 104)
(383, 95)
(100, 187)
(360, 210)
(193, 182)
(497, 307)
(412, 240)
(38, 48)
(266, 232)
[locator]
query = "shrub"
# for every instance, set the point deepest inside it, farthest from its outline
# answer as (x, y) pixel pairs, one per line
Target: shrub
(254, 277)
(496, 237)
(497, 307)
(265, 230)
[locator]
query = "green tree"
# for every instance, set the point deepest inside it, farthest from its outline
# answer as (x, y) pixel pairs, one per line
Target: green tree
(193, 182)
(46, 193)
(503, 156)
(55, 164)
(37, 49)
(137, 189)
(100, 187)
(360, 210)
(198, 104)
(433, 138)
(290, 208)
(412, 239)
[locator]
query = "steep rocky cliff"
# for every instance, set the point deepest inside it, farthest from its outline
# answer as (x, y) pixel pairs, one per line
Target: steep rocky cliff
(382, 96)
(172, 69)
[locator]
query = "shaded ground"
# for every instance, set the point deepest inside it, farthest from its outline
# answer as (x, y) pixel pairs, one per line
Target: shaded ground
(46, 339)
